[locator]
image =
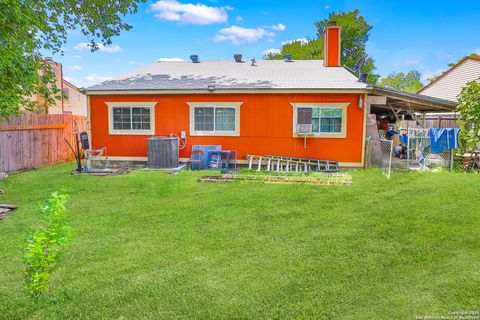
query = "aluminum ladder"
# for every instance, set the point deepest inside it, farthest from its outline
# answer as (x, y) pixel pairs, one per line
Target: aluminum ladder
(289, 164)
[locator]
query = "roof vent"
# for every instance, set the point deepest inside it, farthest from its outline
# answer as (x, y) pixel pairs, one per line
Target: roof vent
(288, 57)
(253, 62)
(194, 58)
(237, 57)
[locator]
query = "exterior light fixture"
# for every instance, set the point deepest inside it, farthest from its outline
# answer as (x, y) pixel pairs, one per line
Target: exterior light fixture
(211, 88)
(360, 102)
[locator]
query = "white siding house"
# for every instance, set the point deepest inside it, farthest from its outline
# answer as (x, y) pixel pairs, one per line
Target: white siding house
(449, 85)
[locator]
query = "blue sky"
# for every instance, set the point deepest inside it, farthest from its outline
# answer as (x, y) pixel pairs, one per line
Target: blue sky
(421, 35)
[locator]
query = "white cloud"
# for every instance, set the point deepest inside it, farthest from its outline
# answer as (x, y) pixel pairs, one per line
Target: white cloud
(172, 10)
(96, 78)
(265, 13)
(412, 62)
(239, 19)
(238, 35)
(279, 26)
(68, 79)
(74, 68)
(327, 6)
(271, 51)
(84, 46)
(170, 59)
(77, 56)
(303, 41)
(135, 63)
(477, 51)
(428, 74)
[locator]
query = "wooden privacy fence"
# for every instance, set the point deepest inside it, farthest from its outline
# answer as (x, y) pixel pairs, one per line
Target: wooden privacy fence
(37, 140)
(430, 122)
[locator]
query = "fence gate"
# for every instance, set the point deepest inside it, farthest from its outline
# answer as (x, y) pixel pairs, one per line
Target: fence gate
(387, 152)
(379, 154)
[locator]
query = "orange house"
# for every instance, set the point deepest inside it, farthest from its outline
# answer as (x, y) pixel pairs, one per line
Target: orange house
(308, 109)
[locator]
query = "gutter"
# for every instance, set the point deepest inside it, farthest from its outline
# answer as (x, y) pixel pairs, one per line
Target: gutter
(226, 91)
(415, 98)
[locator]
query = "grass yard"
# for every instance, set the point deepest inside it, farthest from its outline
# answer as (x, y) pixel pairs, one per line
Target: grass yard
(148, 245)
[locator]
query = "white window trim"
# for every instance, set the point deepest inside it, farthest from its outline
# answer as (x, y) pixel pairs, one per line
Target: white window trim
(235, 105)
(341, 134)
(150, 105)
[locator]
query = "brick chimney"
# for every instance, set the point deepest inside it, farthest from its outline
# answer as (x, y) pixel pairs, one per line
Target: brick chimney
(332, 46)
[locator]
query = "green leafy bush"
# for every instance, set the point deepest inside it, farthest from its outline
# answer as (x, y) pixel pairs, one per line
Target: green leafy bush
(45, 245)
(469, 108)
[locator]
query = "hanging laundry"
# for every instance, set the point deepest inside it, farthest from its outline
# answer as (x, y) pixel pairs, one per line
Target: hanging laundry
(443, 139)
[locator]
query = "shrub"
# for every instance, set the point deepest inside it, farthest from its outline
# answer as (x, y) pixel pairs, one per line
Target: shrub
(45, 245)
(469, 108)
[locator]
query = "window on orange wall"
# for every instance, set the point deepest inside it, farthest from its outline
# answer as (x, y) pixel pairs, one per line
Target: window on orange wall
(131, 118)
(322, 120)
(214, 119)
(221, 119)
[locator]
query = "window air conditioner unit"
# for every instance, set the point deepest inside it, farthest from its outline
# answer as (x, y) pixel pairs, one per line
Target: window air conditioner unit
(304, 128)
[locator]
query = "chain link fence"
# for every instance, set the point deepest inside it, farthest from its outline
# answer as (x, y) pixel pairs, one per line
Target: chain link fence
(387, 150)
(420, 155)
(379, 154)
(414, 153)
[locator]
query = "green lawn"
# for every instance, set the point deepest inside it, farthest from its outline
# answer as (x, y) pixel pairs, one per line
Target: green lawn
(149, 245)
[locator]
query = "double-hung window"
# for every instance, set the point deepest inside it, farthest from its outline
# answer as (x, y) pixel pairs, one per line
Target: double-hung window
(323, 119)
(131, 118)
(222, 119)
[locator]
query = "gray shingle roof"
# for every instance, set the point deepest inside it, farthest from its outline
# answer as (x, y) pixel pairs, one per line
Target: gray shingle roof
(266, 74)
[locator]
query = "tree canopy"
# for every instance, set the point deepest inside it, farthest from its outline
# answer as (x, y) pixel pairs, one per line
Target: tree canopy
(409, 82)
(355, 33)
(453, 64)
(469, 108)
(30, 27)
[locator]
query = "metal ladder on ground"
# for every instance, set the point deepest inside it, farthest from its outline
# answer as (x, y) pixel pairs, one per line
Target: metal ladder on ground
(289, 164)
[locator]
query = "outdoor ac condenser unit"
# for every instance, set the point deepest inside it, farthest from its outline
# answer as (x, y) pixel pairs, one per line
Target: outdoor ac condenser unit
(304, 128)
(162, 152)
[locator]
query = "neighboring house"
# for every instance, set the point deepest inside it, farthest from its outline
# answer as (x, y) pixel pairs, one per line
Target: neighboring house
(73, 100)
(449, 85)
(251, 107)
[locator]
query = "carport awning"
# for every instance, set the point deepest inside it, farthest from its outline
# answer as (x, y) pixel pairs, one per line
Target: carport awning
(405, 102)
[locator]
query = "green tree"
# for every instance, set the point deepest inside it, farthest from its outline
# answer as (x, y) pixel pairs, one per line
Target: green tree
(311, 49)
(355, 33)
(409, 82)
(469, 108)
(453, 64)
(473, 55)
(31, 27)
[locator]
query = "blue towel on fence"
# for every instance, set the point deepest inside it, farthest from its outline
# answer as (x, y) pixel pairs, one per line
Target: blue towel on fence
(403, 139)
(391, 133)
(443, 139)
